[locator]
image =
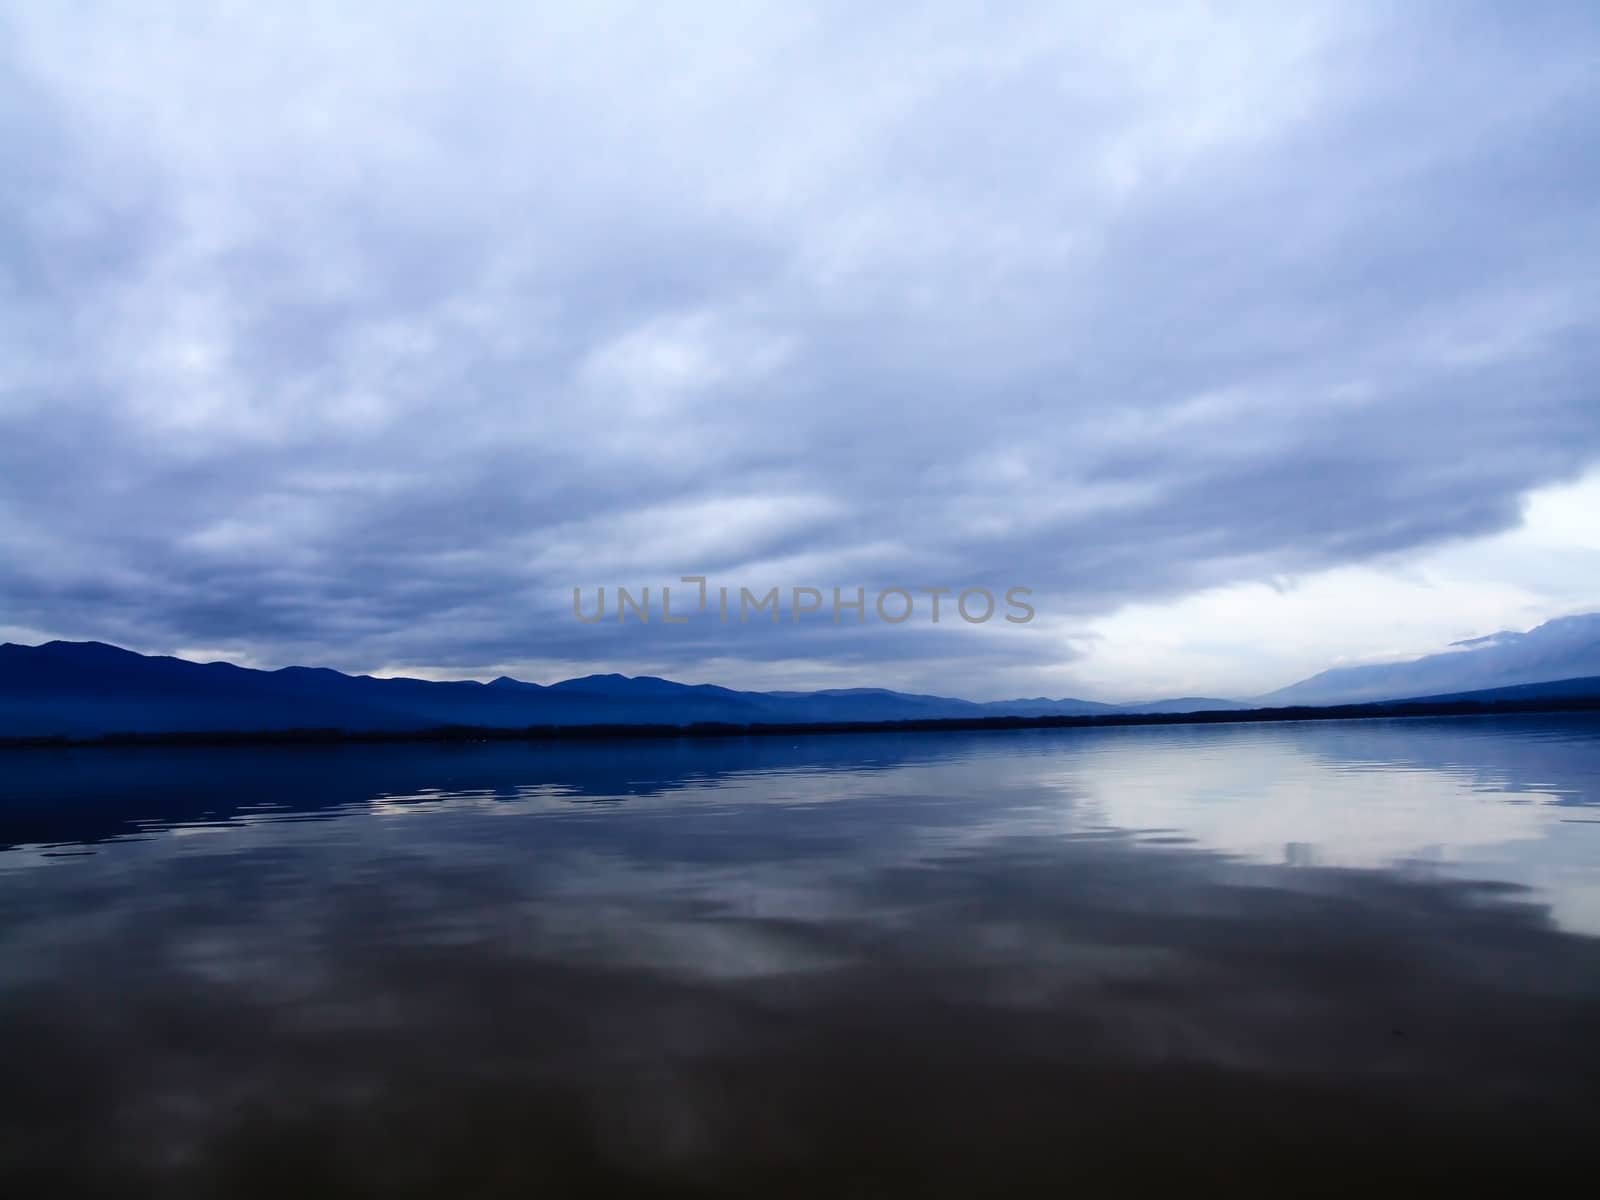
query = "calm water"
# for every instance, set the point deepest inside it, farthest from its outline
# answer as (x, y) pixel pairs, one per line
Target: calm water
(1283, 957)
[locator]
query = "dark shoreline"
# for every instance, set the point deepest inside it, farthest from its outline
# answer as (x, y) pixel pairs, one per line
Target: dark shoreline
(565, 733)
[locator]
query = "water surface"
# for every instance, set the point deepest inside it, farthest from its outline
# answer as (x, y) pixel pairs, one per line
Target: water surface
(1277, 957)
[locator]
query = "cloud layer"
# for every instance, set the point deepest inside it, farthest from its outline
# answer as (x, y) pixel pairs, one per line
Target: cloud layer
(362, 336)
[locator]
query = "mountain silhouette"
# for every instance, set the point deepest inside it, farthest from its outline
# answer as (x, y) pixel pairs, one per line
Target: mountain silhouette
(89, 689)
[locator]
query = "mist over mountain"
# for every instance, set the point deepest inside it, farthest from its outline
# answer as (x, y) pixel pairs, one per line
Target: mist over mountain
(1564, 648)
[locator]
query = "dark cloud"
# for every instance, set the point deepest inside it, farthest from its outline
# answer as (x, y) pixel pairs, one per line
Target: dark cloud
(362, 338)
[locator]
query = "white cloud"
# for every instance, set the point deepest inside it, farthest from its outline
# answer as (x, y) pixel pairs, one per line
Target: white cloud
(1247, 639)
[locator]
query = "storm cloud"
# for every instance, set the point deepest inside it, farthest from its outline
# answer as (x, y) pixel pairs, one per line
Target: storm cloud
(360, 336)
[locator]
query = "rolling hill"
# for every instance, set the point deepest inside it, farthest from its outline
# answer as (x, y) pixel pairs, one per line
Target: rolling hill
(86, 689)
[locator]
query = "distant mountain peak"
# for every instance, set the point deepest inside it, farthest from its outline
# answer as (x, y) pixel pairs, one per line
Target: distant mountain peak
(89, 649)
(1562, 648)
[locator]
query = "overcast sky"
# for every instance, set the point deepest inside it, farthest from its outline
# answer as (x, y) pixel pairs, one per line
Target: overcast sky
(1250, 337)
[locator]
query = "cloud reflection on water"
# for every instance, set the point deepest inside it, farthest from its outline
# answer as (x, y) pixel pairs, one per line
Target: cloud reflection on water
(900, 964)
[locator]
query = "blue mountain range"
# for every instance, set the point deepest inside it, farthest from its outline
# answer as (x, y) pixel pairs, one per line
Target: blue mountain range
(89, 689)
(85, 689)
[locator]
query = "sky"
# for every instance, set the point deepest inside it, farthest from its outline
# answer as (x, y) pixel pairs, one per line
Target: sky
(1252, 338)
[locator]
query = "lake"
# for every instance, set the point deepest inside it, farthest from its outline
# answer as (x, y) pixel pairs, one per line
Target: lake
(1290, 958)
